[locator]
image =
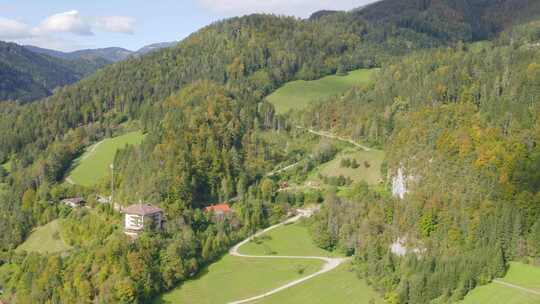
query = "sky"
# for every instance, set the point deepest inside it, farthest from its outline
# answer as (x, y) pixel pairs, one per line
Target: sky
(69, 25)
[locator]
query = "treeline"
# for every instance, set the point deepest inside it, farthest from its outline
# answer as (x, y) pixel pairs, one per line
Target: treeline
(463, 125)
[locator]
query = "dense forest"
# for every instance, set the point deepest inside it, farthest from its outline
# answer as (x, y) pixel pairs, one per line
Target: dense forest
(453, 114)
(462, 123)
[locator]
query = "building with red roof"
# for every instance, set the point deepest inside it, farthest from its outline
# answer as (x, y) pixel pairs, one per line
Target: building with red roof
(220, 210)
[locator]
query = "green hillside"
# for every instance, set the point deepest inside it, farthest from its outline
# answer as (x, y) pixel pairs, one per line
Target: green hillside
(27, 76)
(94, 164)
(45, 239)
(521, 275)
(298, 94)
(340, 286)
(235, 278)
(291, 239)
(368, 170)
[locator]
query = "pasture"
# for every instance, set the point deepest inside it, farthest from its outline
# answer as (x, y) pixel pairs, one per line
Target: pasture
(298, 94)
(368, 170)
(45, 239)
(292, 239)
(519, 274)
(235, 278)
(93, 165)
(339, 286)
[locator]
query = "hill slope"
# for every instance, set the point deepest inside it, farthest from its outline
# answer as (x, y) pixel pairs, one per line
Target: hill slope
(452, 19)
(27, 75)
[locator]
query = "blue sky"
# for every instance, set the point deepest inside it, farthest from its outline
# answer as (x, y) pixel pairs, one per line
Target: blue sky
(77, 24)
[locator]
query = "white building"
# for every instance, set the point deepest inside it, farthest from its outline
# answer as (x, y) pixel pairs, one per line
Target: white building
(139, 217)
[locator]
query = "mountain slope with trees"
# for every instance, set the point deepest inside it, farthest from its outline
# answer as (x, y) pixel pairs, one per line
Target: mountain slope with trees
(27, 76)
(465, 119)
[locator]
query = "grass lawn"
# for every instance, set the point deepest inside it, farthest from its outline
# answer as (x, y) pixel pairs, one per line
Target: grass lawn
(293, 239)
(93, 165)
(45, 239)
(339, 286)
(298, 94)
(235, 278)
(371, 174)
(520, 274)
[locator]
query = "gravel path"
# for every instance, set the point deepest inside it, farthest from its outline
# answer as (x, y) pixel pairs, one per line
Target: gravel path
(331, 263)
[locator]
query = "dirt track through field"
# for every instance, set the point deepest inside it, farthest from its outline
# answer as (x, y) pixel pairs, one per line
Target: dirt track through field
(331, 263)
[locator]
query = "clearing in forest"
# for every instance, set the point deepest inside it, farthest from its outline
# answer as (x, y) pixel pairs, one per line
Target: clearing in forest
(521, 285)
(367, 166)
(298, 94)
(234, 278)
(291, 239)
(45, 239)
(94, 164)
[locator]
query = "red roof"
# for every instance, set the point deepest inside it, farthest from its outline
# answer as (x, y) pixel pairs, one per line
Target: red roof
(219, 208)
(142, 209)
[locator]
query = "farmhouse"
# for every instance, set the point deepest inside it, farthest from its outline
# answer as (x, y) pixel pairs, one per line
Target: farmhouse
(220, 211)
(74, 202)
(139, 217)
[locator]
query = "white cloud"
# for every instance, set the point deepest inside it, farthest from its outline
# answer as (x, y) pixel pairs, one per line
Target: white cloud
(116, 24)
(13, 29)
(299, 8)
(67, 22)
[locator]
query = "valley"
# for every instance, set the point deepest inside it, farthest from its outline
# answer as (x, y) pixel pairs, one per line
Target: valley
(385, 153)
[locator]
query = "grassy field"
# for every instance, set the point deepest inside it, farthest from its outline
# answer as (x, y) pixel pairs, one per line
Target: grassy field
(298, 94)
(523, 275)
(234, 278)
(371, 174)
(93, 165)
(339, 286)
(45, 239)
(291, 239)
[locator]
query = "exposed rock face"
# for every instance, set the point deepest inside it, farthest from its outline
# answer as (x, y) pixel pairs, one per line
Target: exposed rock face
(399, 184)
(399, 248)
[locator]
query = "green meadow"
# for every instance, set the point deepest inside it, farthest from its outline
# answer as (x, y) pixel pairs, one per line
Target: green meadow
(45, 239)
(235, 278)
(298, 94)
(339, 286)
(369, 169)
(293, 239)
(519, 274)
(94, 164)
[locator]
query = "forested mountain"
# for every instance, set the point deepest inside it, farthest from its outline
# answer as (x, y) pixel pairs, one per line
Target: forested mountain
(462, 123)
(107, 55)
(153, 47)
(452, 19)
(28, 76)
(111, 54)
(460, 119)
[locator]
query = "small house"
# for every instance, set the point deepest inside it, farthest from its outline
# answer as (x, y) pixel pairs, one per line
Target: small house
(220, 211)
(74, 202)
(139, 217)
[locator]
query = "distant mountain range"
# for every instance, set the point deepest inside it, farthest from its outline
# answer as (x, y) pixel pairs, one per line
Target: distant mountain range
(111, 54)
(29, 73)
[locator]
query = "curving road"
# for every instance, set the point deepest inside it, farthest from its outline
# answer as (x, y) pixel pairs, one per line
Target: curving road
(331, 263)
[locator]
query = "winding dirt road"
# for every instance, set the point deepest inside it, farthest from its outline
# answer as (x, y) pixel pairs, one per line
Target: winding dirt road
(331, 263)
